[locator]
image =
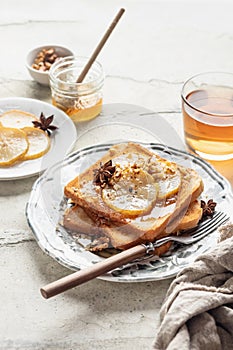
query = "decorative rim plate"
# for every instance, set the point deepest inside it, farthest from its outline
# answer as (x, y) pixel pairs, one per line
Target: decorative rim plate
(61, 141)
(45, 207)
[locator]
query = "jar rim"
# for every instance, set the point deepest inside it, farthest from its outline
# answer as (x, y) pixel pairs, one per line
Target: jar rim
(70, 59)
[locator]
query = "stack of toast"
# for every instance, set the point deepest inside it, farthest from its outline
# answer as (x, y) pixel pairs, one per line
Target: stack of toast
(132, 196)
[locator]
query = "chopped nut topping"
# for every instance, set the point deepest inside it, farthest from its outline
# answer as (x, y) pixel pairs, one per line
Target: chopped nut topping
(169, 170)
(117, 172)
(99, 244)
(44, 59)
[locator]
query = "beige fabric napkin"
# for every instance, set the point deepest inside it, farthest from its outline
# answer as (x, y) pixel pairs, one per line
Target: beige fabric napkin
(197, 313)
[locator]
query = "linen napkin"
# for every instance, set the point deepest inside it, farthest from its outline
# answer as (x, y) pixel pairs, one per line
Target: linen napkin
(197, 313)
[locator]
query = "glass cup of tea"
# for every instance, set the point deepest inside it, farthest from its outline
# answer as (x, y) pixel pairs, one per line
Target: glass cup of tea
(207, 106)
(81, 101)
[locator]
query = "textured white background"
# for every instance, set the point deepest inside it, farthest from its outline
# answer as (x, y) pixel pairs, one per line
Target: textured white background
(154, 49)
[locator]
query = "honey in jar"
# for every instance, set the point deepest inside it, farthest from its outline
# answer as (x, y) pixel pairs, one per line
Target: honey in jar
(81, 101)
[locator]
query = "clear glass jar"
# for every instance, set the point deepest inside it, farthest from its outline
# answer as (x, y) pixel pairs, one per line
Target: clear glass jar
(81, 101)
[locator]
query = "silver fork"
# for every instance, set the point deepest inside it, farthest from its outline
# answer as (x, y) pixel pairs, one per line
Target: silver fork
(186, 237)
(130, 255)
(195, 234)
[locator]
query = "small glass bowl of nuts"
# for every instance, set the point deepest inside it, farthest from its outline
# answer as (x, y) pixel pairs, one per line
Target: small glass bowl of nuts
(40, 59)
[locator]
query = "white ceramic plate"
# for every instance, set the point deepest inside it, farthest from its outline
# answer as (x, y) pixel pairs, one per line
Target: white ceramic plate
(47, 203)
(61, 140)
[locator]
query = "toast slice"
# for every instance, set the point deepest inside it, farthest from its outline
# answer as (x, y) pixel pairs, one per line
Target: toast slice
(147, 169)
(164, 211)
(77, 220)
(82, 190)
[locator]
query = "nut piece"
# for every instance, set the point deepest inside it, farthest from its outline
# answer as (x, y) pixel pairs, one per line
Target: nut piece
(44, 59)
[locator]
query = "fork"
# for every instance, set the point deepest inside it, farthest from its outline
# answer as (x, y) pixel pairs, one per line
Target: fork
(194, 234)
(132, 254)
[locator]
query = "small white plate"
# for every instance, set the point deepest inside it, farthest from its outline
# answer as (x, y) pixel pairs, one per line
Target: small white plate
(61, 140)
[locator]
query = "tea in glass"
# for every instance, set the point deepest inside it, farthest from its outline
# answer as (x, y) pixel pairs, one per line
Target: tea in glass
(207, 106)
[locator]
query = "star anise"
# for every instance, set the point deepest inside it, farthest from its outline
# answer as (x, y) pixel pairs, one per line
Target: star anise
(104, 174)
(208, 208)
(45, 123)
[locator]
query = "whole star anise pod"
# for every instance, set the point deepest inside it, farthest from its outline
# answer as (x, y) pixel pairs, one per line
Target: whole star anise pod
(45, 123)
(104, 174)
(208, 208)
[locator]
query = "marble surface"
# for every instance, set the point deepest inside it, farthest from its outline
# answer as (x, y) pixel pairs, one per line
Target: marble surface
(155, 48)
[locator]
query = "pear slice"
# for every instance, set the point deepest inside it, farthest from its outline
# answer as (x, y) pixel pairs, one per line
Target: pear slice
(17, 119)
(133, 194)
(13, 145)
(39, 143)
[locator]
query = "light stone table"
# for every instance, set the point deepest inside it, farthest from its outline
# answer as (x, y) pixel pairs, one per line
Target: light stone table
(154, 49)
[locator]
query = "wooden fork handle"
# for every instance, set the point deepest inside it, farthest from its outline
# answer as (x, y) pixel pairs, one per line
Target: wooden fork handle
(91, 272)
